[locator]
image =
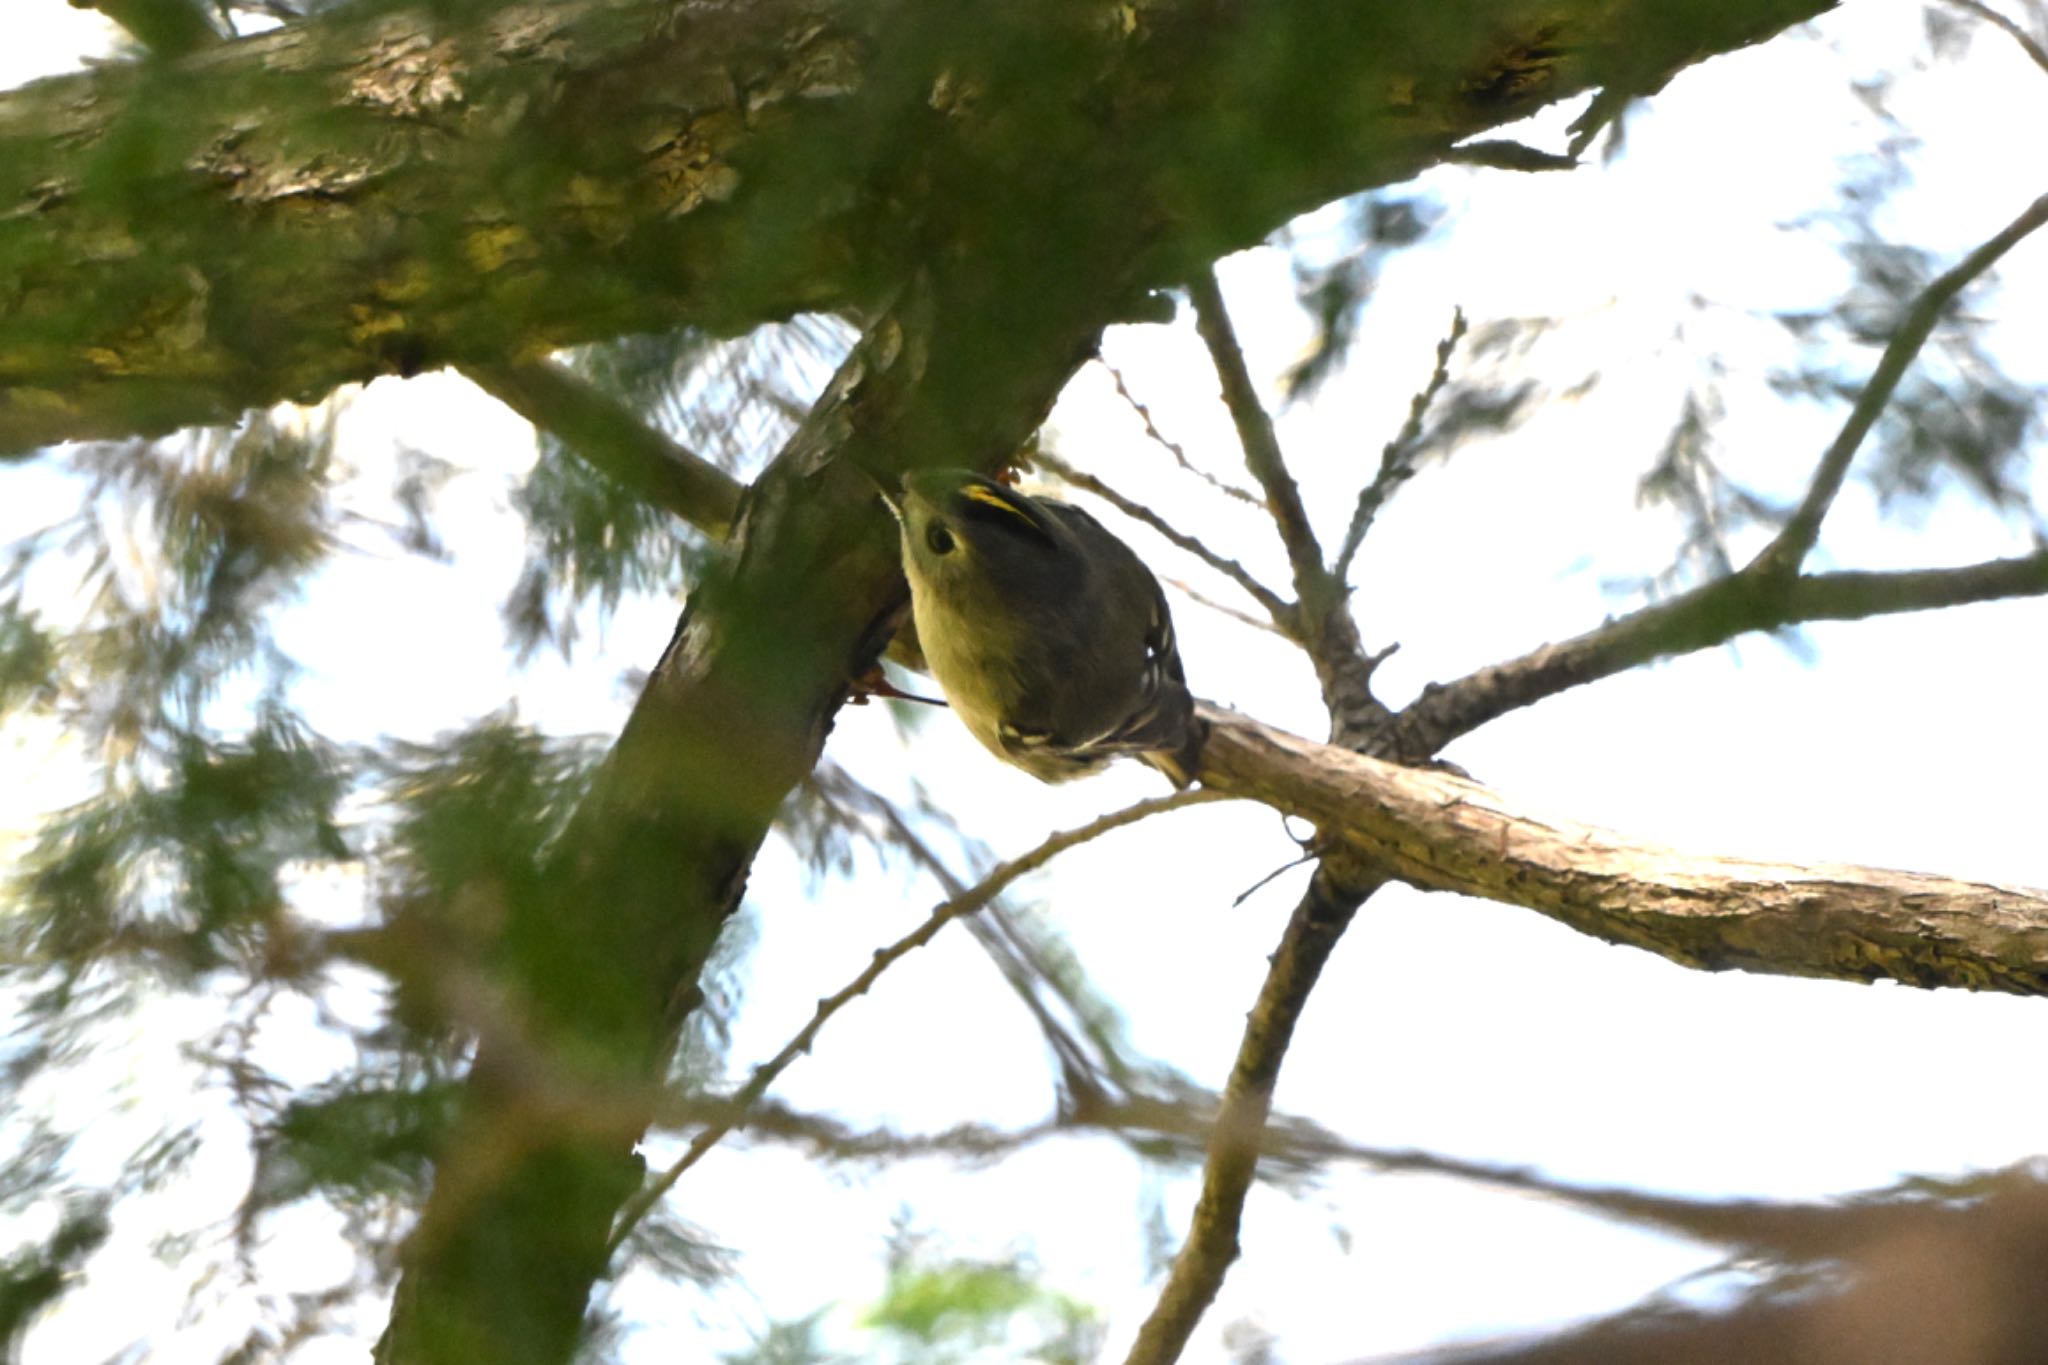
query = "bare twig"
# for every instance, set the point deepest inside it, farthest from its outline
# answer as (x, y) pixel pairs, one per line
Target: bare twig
(1202, 599)
(2028, 43)
(1275, 605)
(612, 438)
(1180, 456)
(1255, 431)
(973, 899)
(1707, 616)
(1789, 548)
(1397, 460)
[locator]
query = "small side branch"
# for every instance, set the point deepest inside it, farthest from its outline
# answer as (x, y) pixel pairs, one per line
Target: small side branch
(1788, 550)
(1159, 438)
(613, 439)
(1397, 458)
(2035, 52)
(1443, 832)
(1276, 607)
(1710, 615)
(967, 902)
(169, 29)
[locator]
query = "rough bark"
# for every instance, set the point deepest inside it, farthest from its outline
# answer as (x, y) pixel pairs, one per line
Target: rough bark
(387, 189)
(1445, 832)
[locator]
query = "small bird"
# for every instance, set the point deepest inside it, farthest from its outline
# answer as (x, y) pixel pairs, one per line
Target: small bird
(1049, 637)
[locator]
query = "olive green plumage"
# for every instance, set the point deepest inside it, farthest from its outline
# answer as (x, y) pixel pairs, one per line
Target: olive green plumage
(1050, 638)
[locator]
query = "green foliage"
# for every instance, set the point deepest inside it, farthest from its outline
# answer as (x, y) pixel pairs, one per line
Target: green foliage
(183, 872)
(28, 659)
(592, 539)
(934, 1312)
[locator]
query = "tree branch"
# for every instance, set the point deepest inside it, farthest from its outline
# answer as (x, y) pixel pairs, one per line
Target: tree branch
(1276, 607)
(614, 439)
(1158, 438)
(1321, 621)
(1447, 833)
(330, 202)
(169, 29)
(1789, 548)
(1234, 1146)
(1397, 457)
(1709, 615)
(2035, 52)
(1255, 433)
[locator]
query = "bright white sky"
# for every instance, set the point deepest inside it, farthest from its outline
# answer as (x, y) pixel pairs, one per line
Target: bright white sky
(1453, 1026)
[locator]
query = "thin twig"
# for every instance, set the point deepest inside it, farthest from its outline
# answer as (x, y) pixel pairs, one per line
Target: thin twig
(2027, 42)
(1789, 548)
(1397, 460)
(1255, 432)
(1180, 456)
(973, 899)
(1201, 599)
(1275, 606)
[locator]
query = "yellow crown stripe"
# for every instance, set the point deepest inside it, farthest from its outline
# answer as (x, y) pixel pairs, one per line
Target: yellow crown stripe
(985, 494)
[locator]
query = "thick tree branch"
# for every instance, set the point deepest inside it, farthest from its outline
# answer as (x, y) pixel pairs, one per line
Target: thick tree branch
(382, 190)
(1789, 548)
(1446, 833)
(1710, 615)
(614, 439)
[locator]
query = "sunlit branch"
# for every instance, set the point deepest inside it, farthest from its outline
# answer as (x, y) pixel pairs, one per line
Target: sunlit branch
(1789, 548)
(1173, 448)
(1710, 615)
(1276, 607)
(2028, 44)
(1443, 832)
(977, 896)
(613, 439)
(1397, 458)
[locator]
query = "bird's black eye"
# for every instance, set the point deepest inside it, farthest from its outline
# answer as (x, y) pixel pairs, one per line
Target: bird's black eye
(939, 538)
